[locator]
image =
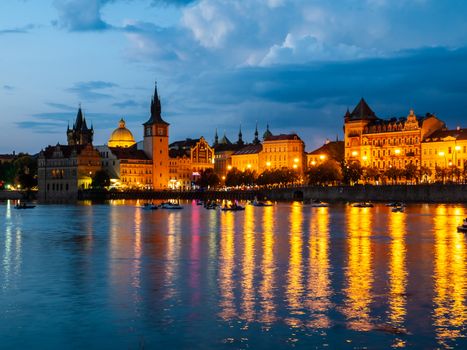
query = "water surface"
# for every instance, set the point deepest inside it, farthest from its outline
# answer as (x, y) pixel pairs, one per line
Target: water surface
(288, 276)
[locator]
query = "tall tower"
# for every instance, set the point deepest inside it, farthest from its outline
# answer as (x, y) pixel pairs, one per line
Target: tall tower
(156, 144)
(80, 134)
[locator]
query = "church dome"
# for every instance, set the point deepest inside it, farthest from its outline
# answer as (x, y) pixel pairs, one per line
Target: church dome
(121, 137)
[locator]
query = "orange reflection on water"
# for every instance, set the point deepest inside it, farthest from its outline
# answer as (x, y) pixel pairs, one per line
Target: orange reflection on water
(359, 277)
(266, 289)
(172, 253)
(449, 275)
(248, 265)
(227, 265)
(319, 289)
(397, 274)
(294, 290)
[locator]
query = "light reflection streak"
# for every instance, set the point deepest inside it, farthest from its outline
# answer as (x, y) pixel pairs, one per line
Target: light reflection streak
(12, 258)
(194, 257)
(172, 255)
(397, 275)
(248, 265)
(319, 289)
(267, 286)
(359, 278)
(449, 277)
(227, 265)
(294, 291)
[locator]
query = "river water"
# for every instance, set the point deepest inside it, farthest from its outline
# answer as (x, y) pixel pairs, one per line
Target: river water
(114, 276)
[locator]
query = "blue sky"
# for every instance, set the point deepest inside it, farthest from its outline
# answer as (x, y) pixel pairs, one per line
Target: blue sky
(296, 65)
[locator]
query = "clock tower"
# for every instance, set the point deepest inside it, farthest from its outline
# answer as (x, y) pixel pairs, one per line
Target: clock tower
(156, 144)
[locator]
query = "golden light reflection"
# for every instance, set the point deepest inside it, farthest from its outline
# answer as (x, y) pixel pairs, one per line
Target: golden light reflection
(171, 257)
(294, 290)
(359, 278)
(450, 312)
(319, 288)
(248, 266)
(227, 265)
(397, 275)
(266, 289)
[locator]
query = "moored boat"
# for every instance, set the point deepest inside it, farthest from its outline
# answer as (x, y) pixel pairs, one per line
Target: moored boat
(149, 206)
(24, 206)
(363, 205)
(463, 227)
(319, 204)
(170, 205)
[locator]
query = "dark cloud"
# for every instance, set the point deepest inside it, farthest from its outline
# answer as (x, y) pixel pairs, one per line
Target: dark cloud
(17, 30)
(312, 98)
(8, 87)
(91, 90)
(42, 126)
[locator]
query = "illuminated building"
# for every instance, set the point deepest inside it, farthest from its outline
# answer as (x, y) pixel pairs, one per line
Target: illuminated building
(127, 166)
(247, 158)
(121, 137)
(65, 169)
(283, 151)
(333, 150)
(223, 150)
(446, 149)
(188, 158)
(156, 144)
(384, 143)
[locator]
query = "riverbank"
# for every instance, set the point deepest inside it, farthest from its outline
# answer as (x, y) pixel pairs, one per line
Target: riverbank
(406, 193)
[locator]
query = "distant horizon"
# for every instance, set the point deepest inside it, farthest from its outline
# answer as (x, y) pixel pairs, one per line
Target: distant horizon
(294, 65)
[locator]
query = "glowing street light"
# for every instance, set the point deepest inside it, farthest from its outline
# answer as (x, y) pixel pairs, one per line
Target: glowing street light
(295, 160)
(248, 166)
(354, 153)
(268, 164)
(397, 151)
(441, 154)
(457, 148)
(295, 166)
(365, 158)
(313, 162)
(229, 167)
(322, 157)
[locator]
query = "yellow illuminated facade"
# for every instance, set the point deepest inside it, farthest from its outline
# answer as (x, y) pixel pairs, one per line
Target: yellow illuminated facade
(283, 151)
(446, 149)
(385, 143)
(247, 158)
(187, 160)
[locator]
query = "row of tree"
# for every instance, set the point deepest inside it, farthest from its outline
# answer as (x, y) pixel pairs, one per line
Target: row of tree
(21, 171)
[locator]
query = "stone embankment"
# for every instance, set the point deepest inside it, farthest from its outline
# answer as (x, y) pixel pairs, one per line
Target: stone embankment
(403, 193)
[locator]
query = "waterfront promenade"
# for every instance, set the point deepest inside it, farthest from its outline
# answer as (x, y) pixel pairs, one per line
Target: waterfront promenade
(438, 193)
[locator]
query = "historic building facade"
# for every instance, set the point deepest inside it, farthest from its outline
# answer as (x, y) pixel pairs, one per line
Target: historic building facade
(283, 151)
(331, 150)
(156, 144)
(446, 149)
(65, 169)
(385, 143)
(188, 158)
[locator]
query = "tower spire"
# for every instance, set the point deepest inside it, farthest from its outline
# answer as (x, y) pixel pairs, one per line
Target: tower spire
(156, 109)
(216, 139)
(240, 136)
(256, 140)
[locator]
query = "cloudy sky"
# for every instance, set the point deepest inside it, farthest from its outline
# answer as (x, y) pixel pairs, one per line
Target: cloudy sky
(294, 64)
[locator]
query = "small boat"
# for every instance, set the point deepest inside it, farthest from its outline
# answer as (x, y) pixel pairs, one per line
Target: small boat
(233, 207)
(170, 205)
(319, 204)
(24, 206)
(363, 205)
(149, 206)
(395, 204)
(199, 202)
(399, 209)
(463, 227)
(211, 205)
(257, 203)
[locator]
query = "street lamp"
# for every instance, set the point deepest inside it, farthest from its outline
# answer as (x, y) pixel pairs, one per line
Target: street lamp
(397, 151)
(354, 153)
(229, 167)
(268, 164)
(322, 157)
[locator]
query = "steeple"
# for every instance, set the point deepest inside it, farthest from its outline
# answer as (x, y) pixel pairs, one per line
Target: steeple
(216, 139)
(240, 136)
(267, 133)
(80, 134)
(256, 141)
(361, 111)
(156, 110)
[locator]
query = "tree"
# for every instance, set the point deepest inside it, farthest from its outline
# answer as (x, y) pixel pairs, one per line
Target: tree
(328, 172)
(410, 172)
(425, 173)
(208, 178)
(233, 178)
(393, 174)
(440, 174)
(351, 172)
(27, 181)
(371, 173)
(101, 179)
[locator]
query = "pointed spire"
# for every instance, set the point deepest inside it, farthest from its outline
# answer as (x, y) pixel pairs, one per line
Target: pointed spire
(216, 139)
(267, 133)
(256, 141)
(240, 136)
(156, 109)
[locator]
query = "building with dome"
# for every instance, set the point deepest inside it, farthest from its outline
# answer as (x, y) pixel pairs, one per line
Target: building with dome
(121, 137)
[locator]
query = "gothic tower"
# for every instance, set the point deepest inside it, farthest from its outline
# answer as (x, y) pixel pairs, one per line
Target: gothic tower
(156, 144)
(80, 134)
